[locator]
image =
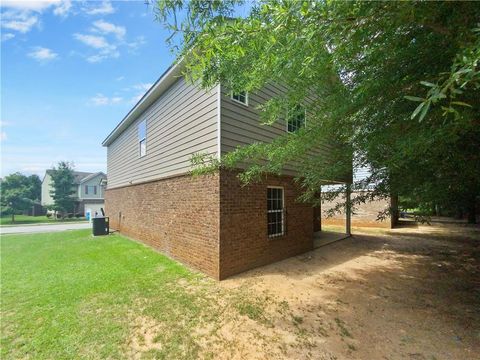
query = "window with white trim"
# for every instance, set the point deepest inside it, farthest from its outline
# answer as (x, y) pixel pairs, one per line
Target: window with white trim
(296, 118)
(275, 211)
(241, 97)
(91, 189)
(142, 137)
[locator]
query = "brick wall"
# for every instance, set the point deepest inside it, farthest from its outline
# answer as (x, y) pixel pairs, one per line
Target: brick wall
(178, 216)
(243, 224)
(211, 223)
(365, 214)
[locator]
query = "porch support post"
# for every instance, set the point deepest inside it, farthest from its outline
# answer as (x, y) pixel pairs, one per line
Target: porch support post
(348, 210)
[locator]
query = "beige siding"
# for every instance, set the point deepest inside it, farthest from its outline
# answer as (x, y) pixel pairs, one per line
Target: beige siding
(95, 181)
(181, 122)
(240, 124)
(46, 187)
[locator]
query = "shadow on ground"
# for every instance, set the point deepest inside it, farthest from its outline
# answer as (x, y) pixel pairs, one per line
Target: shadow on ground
(413, 293)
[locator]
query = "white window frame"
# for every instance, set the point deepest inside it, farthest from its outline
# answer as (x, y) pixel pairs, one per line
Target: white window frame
(238, 101)
(281, 211)
(142, 139)
(304, 122)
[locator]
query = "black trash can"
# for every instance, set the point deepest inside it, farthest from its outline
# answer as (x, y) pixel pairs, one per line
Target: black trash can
(100, 226)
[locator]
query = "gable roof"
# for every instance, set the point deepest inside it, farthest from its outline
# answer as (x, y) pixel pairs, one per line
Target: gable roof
(157, 89)
(79, 176)
(92, 175)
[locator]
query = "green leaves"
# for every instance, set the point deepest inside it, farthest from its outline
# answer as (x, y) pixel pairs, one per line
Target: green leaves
(16, 193)
(414, 98)
(63, 187)
(462, 81)
(417, 110)
(421, 110)
(461, 103)
(427, 84)
(396, 83)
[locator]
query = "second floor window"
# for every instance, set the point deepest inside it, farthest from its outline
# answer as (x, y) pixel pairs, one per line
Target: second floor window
(295, 118)
(142, 137)
(241, 97)
(92, 189)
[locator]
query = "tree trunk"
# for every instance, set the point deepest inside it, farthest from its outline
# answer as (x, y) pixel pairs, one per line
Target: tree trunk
(472, 216)
(458, 214)
(13, 218)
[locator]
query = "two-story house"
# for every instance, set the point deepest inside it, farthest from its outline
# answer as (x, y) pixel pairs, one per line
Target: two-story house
(89, 191)
(210, 222)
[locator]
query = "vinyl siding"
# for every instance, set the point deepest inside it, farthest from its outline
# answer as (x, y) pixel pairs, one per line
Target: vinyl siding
(46, 187)
(240, 124)
(181, 122)
(92, 182)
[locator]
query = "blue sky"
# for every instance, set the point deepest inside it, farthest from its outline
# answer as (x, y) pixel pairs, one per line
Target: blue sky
(70, 71)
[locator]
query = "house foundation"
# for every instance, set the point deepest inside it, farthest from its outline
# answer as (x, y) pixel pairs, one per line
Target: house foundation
(212, 223)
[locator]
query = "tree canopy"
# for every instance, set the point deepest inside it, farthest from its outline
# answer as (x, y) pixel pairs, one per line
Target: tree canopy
(36, 187)
(17, 194)
(63, 188)
(395, 83)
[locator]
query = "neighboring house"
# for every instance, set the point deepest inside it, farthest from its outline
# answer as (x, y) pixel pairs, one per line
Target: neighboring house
(89, 191)
(210, 222)
(365, 214)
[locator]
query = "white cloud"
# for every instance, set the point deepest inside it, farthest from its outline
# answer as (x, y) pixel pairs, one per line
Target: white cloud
(22, 22)
(105, 8)
(139, 41)
(102, 100)
(23, 15)
(96, 58)
(29, 5)
(106, 49)
(143, 86)
(42, 54)
(63, 8)
(109, 28)
(3, 136)
(136, 98)
(102, 56)
(7, 36)
(120, 78)
(36, 159)
(97, 42)
(108, 40)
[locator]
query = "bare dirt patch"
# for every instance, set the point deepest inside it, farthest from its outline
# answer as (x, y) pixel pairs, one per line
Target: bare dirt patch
(142, 338)
(411, 294)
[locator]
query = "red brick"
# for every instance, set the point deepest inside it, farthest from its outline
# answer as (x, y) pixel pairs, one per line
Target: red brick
(212, 223)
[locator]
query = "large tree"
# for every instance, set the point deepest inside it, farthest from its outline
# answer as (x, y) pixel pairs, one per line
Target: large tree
(16, 194)
(36, 187)
(395, 83)
(63, 188)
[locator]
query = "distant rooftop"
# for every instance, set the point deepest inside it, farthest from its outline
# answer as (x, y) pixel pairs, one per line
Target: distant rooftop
(79, 176)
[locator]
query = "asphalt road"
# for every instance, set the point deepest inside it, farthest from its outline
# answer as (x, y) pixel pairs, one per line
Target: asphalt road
(40, 228)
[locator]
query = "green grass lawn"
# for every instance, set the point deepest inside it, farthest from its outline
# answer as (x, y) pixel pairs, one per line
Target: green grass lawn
(24, 219)
(69, 295)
